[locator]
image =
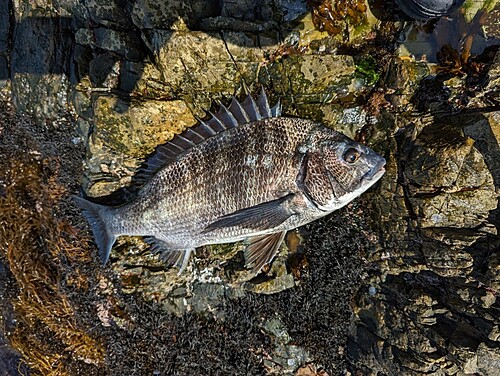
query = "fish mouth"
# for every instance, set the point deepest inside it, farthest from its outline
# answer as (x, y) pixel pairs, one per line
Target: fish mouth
(376, 172)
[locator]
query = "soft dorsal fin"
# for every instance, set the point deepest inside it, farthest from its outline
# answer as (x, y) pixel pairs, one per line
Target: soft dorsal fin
(238, 113)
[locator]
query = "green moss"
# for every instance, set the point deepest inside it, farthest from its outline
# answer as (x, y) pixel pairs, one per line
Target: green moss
(468, 4)
(367, 69)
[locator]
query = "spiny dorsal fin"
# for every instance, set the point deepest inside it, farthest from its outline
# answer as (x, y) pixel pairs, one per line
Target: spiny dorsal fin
(238, 113)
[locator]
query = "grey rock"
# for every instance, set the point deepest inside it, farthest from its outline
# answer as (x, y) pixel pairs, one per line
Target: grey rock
(488, 360)
(40, 45)
(150, 14)
(84, 36)
(292, 9)
(5, 27)
(448, 178)
(103, 71)
(436, 270)
(27, 90)
(130, 74)
(286, 357)
(127, 44)
(224, 62)
(114, 14)
(39, 64)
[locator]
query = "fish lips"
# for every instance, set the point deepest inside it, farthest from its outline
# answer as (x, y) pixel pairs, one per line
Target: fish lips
(375, 172)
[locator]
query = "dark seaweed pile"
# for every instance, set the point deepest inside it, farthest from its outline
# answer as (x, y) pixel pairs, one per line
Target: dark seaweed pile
(316, 313)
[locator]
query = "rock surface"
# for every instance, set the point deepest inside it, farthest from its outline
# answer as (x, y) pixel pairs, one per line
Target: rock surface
(403, 281)
(433, 304)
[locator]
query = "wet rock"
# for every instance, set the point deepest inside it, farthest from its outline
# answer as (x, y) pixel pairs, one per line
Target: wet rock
(434, 306)
(315, 86)
(104, 71)
(4, 43)
(39, 60)
(488, 360)
(126, 130)
(286, 357)
(247, 9)
(262, 16)
(315, 77)
(150, 14)
(404, 77)
(448, 179)
(127, 44)
(352, 121)
(28, 89)
(196, 63)
(110, 13)
(279, 280)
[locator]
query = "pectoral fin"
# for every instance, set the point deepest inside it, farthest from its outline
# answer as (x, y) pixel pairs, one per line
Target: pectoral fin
(261, 250)
(260, 217)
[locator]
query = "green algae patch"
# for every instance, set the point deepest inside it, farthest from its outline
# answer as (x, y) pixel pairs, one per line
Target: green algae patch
(367, 68)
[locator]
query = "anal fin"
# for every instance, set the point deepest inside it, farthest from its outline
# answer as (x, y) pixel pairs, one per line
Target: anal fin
(171, 257)
(261, 249)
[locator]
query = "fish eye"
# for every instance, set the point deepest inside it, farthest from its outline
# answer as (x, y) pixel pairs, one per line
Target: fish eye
(351, 155)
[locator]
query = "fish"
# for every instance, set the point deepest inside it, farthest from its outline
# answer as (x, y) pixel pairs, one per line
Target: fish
(246, 174)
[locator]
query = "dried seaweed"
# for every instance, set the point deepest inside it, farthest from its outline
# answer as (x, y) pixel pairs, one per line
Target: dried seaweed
(332, 18)
(39, 249)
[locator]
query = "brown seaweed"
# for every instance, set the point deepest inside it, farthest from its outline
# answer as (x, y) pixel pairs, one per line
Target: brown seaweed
(41, 250)
(332, 18)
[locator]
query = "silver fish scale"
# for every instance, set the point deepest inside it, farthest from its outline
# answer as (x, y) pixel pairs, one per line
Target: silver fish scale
(239, 168)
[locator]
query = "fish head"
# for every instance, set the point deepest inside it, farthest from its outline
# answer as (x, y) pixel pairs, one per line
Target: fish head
(338, 169)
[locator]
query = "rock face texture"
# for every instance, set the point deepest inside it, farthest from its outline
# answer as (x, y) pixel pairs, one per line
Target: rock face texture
(432, 298)
(404, 281)
(432, 303)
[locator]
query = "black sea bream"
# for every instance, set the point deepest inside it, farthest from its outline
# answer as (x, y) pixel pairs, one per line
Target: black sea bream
(246, 174)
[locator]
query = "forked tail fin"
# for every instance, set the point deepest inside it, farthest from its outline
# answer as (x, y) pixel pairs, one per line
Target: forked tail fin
(104, 238)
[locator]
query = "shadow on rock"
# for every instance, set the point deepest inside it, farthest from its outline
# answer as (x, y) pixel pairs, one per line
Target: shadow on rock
(93, 42)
